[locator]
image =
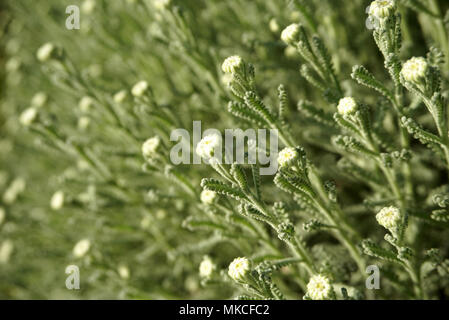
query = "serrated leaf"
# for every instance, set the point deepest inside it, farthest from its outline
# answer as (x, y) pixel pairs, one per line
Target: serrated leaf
(345, 124)
(240, 110)
(283, 102)
(364, 77)
(312, 77)
(424, 136)
(257, 105)
(308, 109)
(255, 170)
(221, 188)
(239, 176)
(374, 250)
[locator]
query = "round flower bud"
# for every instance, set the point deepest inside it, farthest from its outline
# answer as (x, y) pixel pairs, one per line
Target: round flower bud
(12, 64)
(94, 70)
(232, 64)
(319, 287)
(28, 116)
(161, 214)
(81, 248)
(191, 284)
(207, 196)
(145, 222)
(161, 4)
(88, 6)
(295, 15)
(290, 35)
(83, 123)
(139, 88)
(287, 156)
(347, 106)
(207, 267)
(39, 99)
(381, 9)
(120, 96)
(6, 250)
(290, 52)
(208, 145)
(57, 200)
(274, 26)
(389, 217)
(85, 104)
(414, 69)
(123, 272)
(14, 190)
(239, 268)
(45, 52)
(150, 146)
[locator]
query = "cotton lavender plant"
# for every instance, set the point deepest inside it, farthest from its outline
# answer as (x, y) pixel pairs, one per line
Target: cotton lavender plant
(356, 91)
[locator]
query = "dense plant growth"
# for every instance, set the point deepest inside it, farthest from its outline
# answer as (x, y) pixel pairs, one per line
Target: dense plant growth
(357, 91)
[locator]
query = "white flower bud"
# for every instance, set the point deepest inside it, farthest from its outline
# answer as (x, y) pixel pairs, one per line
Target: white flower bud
(123, 272)
(290, 52)
(389, 217)
(207, 196)
(274, 26)
(232, 64)
(6, 250)
(45, 52)
(88, 6)
(150, 146)
(295, 15)
(120, 96)
(82, 165)
(95, 70)
(39, 99)
(57, 200)
(319, 287)
(414, 70)
(28, 116)
(207, 267)
(83, 123)
(85, 104)
(161, 214)
(81, 248)
(145, 222)
(347, 106)
(12, 64)
(191, 284)
(287, 156)
(239, 268)
(381, 9)
(207, 147)
(290, 35)
(139, 88)
(161, 4)
(14, 190)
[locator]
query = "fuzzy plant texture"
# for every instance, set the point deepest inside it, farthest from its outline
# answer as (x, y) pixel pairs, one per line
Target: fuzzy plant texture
(359, 205)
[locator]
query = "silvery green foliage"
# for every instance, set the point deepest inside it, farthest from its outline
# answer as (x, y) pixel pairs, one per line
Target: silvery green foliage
(86, 178)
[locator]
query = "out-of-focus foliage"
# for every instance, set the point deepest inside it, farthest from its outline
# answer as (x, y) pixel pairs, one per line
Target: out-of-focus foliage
(76, 190)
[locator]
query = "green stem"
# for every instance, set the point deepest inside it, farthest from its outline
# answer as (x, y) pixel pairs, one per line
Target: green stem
(416, 279)
(295, 245)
